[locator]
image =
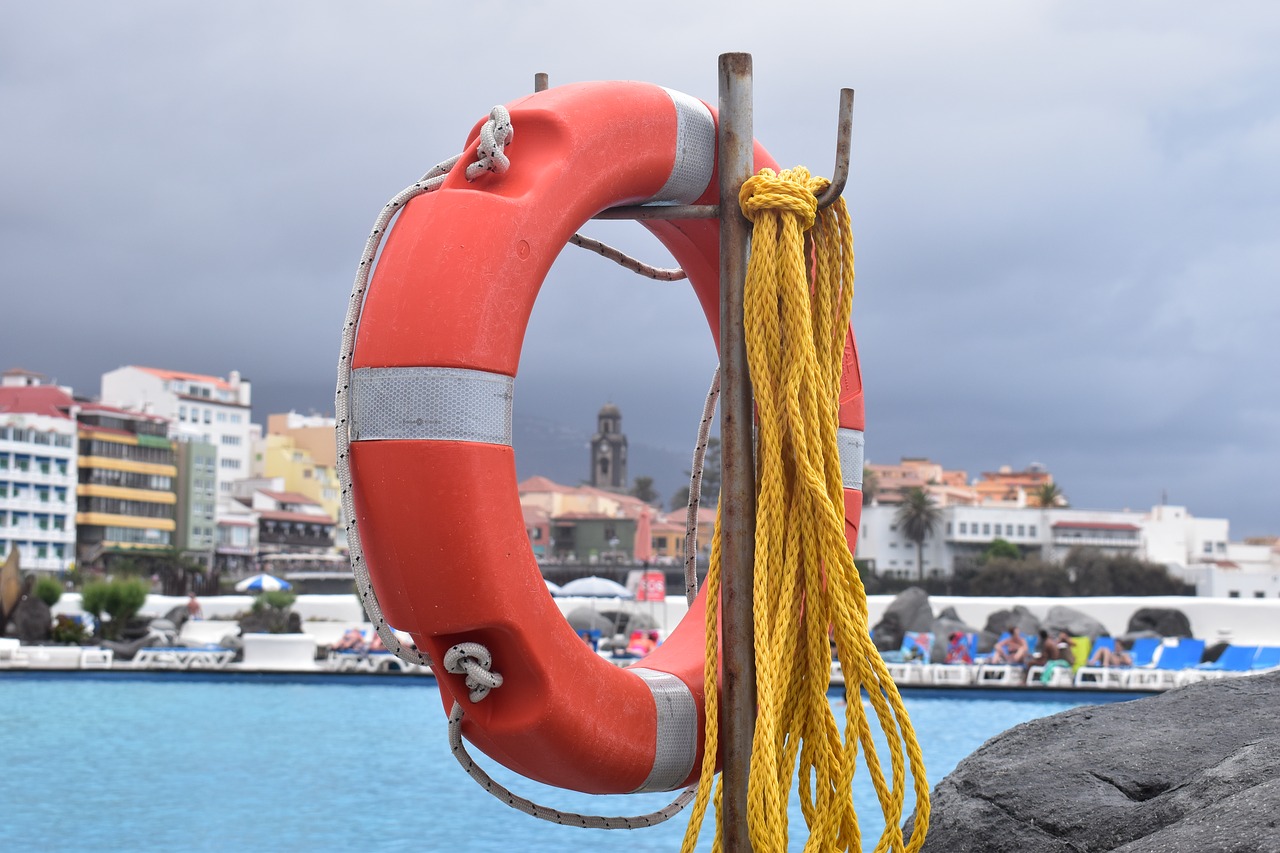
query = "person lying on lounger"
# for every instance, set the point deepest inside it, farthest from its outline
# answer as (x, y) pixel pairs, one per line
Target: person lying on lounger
(1012, 649)
(957, 649)
(352, 641)
(1105, 657)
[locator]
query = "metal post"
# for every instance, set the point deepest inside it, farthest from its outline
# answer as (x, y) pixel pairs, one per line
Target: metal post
(737, 483)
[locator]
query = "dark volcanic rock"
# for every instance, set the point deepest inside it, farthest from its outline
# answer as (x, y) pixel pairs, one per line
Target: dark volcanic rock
(31, 621)
(909, 611)
(1164, 621)
(1074, 622)
(1195, 770)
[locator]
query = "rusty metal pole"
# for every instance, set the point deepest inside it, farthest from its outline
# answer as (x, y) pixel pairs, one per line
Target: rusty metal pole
(737, 482)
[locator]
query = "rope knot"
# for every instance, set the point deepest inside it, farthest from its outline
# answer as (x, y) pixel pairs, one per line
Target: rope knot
(474, 661)
(793, 191)
(496, 134)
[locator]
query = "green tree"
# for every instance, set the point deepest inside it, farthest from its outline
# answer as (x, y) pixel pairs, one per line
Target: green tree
(1003, 549)
(643, 489)
(1097, 573)
(917, 517)
(119, 599)
(680, 498)
(48, 590)
(1050, 495)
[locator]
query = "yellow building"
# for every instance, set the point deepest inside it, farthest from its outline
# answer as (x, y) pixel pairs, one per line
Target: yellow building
(125, 498)
(284, 458)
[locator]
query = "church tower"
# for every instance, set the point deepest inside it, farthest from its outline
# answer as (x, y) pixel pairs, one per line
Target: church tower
(609, 451)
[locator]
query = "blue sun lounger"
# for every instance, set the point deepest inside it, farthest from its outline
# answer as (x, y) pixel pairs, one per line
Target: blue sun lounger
(1234, 660)
(1164, 670)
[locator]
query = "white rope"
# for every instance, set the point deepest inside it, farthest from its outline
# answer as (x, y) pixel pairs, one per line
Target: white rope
(625, 260)
(495, 134)
(475, 663)
(695, 489)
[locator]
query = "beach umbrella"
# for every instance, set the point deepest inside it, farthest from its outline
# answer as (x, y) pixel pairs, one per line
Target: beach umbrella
(263, 583)
(586, 619)
(643, 550)
(594, 587)
(553, 588)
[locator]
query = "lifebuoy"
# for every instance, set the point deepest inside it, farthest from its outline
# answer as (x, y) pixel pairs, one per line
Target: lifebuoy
(432, 469)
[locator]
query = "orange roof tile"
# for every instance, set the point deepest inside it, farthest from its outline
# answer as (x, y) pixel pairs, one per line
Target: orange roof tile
(215, 381)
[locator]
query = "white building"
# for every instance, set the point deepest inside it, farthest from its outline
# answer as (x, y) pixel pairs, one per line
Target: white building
(38, 475)
(1168, 535)
(214, 410)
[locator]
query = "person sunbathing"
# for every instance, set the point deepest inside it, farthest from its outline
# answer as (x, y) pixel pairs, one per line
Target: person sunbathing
(1012, 649)
(351, 641)
(1107, 658)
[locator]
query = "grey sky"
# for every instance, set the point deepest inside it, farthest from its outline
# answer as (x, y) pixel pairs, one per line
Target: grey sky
(1067, 215)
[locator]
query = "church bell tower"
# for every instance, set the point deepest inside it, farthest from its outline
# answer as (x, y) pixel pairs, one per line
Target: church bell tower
(609, 451)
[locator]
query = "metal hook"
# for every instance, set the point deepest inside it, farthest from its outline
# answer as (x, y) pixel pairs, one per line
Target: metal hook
(844, 137)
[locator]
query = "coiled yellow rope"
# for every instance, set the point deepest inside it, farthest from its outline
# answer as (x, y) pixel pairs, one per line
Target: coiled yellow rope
(807, 590)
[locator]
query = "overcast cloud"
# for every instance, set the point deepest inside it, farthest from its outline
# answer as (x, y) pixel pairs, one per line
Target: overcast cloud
(1067, 215)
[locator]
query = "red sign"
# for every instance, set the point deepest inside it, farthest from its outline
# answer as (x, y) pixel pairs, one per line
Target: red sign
(652, 586)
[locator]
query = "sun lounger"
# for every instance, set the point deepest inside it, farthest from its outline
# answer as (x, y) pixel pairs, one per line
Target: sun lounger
(1114, 677)
(917, 646)
(1268, 659)
(958, 674)
(182, 657)
(92, 658)
(1234, 660)
(1163, 671)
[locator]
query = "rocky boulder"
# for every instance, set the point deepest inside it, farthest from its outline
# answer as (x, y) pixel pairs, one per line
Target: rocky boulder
(1074, 622)
(1194, 770)
(31, 621)
(909, 611)
(1164, 621)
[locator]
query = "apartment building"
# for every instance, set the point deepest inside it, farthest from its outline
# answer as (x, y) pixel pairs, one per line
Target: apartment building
(1169, 535)
(302, 452)
(126, 498)
(210, 408)
(37, 473)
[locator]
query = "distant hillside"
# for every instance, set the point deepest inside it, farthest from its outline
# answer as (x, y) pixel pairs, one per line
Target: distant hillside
(545, 447)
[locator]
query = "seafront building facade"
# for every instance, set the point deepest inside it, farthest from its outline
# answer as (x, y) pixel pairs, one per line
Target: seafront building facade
(126, 499)
(214, 409)
(1167, 534)
(37, 474)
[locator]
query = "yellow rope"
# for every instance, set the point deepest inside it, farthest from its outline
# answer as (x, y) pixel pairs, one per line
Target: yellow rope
(807, 591)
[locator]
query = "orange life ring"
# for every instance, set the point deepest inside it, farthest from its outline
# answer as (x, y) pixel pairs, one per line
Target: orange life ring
(431, 464)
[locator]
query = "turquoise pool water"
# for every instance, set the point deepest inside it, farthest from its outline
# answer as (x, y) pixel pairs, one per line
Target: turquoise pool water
(100, 762)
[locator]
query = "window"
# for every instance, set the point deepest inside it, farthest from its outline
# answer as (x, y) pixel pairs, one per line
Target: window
(986, 530)
(182, 413)
(1208, 547)
(234, 441)
(1259, 594)
(963, 528)
(230, 463)
(948, 528)
(1031, 530)
(1022, 530)
(208, 416)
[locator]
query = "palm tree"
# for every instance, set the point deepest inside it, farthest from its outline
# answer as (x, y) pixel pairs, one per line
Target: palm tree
(918, 516)
(1049, 495)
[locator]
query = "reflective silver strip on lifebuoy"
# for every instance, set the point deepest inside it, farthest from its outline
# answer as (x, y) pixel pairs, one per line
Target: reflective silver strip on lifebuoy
(677, 735)
(695, 152)
(430, 403)
(850, 442)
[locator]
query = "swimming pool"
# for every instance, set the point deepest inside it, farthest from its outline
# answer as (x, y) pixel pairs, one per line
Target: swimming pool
(278, 764)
